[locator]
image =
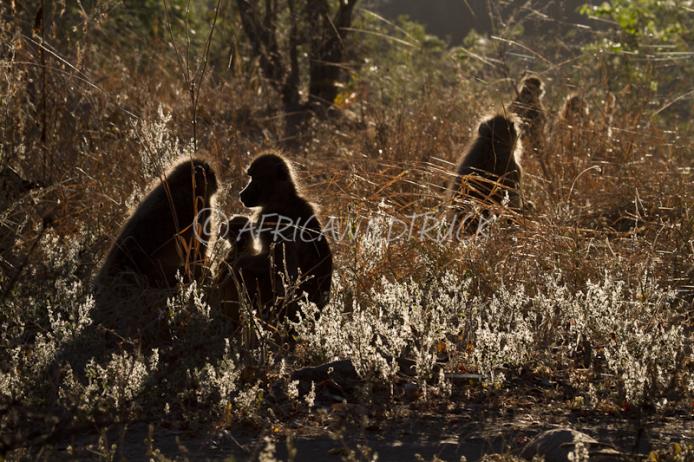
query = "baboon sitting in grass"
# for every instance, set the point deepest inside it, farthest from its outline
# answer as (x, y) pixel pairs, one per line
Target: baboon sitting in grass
(571, 130)
(292, 250)
(225, 295)
(489, 172)
(240, 234)
(165, 235)
(575, 111)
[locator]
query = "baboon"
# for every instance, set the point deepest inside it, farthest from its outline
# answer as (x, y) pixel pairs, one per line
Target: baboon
(239, 233)
(290, 242)
(575, 111)
(490, 167)
(529, 108)
(573, 137)
(168, 232)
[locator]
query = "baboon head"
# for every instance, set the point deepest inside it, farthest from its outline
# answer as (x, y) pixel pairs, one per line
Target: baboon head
(575, 107)
(271, 181)
(532, 88)
(501, 131)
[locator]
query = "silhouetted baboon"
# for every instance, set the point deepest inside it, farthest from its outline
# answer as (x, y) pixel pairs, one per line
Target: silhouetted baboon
(167, 232)
(291, 244)
(529, 108)
(490, 167)
(239, 233)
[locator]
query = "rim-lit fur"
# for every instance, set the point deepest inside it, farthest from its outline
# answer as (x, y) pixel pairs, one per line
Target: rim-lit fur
(490, 167)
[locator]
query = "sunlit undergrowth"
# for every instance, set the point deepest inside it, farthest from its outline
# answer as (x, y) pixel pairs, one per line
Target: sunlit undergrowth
(592, 287)
(628, 339)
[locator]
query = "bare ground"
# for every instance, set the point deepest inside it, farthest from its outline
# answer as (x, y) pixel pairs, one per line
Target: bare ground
(400, 431)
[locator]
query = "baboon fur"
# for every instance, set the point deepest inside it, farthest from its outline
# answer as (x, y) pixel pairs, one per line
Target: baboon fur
(300, 252)
(490, 167)
(239, 233)
(167, 232)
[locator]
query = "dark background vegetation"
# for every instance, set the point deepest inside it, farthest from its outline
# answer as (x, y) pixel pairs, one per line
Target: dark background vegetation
(452, 20)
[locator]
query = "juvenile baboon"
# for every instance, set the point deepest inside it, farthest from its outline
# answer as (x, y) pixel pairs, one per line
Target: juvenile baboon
(490, 167)
(529, 108)
(573, 139)
(291, 244)
(167, 232)
(239, 233)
